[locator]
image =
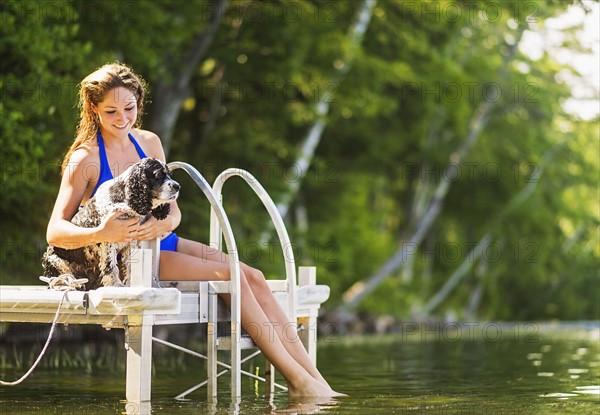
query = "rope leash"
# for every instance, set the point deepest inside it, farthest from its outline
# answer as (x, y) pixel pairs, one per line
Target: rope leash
(66, 283)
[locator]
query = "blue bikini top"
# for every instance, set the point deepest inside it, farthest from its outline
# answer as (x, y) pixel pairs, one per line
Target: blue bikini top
(105, 173)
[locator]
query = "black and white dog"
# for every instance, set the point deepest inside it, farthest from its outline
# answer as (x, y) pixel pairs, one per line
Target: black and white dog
(143, 190)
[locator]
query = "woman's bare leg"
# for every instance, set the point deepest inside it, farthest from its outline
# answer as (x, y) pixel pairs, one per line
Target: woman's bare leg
(179, 266)
(286, 330)
(281, 324)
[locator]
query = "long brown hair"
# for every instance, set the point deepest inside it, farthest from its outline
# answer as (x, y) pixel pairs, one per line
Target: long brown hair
(92, 90)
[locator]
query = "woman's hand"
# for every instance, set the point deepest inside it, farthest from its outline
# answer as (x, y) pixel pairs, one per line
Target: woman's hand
(113, 229)
(153, 228)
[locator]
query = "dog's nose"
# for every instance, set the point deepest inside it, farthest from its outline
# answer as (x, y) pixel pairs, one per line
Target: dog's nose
(175, 186)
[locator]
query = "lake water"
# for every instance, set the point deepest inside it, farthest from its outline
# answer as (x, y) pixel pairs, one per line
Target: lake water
(474, 368)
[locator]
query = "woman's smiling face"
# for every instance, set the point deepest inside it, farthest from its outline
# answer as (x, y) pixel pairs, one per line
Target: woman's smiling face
(117, 112)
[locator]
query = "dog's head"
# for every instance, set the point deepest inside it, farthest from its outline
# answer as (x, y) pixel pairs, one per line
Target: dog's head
(149, 187)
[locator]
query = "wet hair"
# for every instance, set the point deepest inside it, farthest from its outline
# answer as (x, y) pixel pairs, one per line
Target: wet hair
(92, 91)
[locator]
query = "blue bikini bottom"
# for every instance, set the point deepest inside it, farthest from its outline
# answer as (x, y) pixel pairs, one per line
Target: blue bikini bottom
(169, 243)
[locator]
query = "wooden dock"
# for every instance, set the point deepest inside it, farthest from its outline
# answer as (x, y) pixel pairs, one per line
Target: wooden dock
(138, 309)
(146, 303)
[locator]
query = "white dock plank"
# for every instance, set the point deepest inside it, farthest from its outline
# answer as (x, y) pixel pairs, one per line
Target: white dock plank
(39, 299)
(134, 301)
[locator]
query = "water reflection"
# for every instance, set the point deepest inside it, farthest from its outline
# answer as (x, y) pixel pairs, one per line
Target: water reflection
(566, 373)
(592, 390)
(381, 375)
(309, 405)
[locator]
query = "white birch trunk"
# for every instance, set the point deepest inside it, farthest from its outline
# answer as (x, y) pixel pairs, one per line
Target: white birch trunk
(313, 137)
(457, 275)
(359, 290)
(481, 246)
(355, 294)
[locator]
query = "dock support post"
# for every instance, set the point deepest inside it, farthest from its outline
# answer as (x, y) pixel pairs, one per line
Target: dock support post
(308, 336)
(138, 343)
(138, 334)
(269, 378)
(211, 352)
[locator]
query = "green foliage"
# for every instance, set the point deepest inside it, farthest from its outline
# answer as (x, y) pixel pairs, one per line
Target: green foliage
(40, 55)
(398, 113)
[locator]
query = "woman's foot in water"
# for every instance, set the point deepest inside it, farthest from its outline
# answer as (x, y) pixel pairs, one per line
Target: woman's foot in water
(313, 387)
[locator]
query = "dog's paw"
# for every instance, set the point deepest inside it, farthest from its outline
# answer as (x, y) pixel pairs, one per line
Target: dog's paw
(161, 211)
(118, 283)
(111, 281)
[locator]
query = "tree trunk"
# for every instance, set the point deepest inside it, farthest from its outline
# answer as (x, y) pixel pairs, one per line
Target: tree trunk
(481, 246)
(355, 294)
(359, 290)
(168, 95)
(313, 137)
(481, 272)
(457, 275)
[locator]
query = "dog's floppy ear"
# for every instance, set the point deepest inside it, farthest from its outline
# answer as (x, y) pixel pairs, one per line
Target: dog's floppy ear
(161, 211)
(138, 194)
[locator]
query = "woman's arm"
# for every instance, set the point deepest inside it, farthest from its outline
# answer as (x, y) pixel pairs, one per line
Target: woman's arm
(64, 234)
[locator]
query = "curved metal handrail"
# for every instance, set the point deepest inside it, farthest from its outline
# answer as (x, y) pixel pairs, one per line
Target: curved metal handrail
(284, 239)
(234, 262)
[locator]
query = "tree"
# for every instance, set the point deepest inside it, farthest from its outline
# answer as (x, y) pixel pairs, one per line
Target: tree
(40, 55)
(248, 96)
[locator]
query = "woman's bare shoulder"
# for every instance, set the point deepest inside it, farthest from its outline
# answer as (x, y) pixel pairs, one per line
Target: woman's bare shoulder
(147, 137)
(85, 155)
(150, 142)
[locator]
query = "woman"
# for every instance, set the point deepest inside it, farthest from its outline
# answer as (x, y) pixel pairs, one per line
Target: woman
(108, 141)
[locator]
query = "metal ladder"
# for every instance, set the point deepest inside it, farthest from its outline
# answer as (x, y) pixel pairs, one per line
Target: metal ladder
(220, 229)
